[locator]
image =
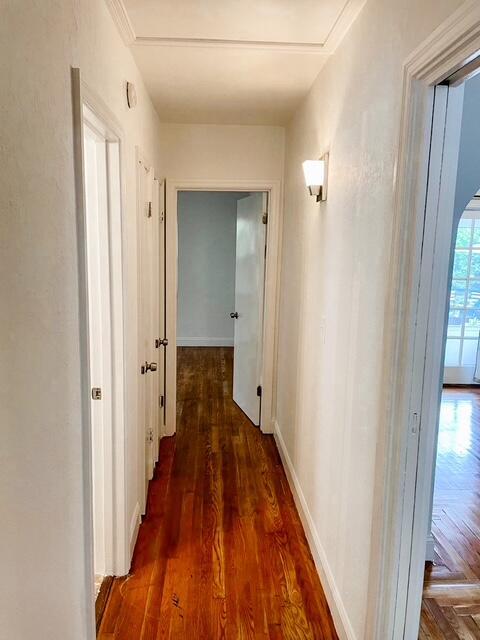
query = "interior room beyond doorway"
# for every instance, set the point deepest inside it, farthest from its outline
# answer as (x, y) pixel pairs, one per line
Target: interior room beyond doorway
(221, 282)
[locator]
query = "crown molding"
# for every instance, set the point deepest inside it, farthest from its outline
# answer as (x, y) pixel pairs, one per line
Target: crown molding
(209, 43)
(342, 24)
(121, 19)
(345, 19)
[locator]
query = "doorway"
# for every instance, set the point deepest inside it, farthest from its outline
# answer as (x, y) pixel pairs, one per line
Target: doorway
(100, 341)
(430, 189)
(262, 205)
(98, 155)
(105, 339)
(464, 309)
(221, 273)
(451, 592)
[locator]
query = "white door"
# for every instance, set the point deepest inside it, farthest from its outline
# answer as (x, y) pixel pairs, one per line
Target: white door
(147, 245)
(248, 313)
(156, 323)
(100, 338)
(160, 318)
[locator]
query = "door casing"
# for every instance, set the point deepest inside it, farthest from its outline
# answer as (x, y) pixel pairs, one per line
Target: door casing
(418, 284)
(272, 273)
(84, 98)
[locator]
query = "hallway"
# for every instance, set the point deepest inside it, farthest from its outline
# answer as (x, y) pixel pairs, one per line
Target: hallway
(222, 552)
(451, 596)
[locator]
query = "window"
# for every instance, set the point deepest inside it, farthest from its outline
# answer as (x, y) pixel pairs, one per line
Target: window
(464, 314)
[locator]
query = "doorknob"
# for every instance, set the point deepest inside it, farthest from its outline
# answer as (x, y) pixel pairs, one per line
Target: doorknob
(234, 314)
(161, 342)
(150, 366)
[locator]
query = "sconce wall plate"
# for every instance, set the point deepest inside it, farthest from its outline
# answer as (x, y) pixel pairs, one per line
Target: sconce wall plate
(131, 95)
(323, 189)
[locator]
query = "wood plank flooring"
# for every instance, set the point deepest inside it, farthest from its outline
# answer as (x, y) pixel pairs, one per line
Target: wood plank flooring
(451, 597)
(221, 553)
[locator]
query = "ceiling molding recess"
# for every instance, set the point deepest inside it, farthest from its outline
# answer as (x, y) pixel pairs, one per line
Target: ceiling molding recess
(346, 18)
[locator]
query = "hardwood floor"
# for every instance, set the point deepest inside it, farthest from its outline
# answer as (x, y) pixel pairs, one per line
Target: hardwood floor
(451, 597)
(221, 553)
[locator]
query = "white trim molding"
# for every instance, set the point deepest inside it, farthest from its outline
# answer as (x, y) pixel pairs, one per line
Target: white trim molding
(342, 24)
(430, 548)
(134, 527)
(120, 17)
(80, 212)
(453, 44)
(337, 608)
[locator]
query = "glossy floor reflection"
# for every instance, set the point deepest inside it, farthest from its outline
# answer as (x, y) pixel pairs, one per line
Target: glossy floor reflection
(451, 602)
(221, 554)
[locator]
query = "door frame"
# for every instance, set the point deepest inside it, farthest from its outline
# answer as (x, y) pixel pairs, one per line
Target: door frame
(272, 273)
(115, 453)
(418, 279)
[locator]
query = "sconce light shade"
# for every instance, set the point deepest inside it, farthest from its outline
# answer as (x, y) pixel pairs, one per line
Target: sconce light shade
(315, 172)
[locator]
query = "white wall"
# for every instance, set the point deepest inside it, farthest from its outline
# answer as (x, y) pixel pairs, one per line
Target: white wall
(333, 291)
(106, 65)
(206, 268)
(223, 152)
(42, 541)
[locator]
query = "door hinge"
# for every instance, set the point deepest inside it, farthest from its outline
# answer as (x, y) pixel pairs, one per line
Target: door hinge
(266, 207)
(259, 391)
(162, 216)
(149, 435)
(161, 401)
(149, 209)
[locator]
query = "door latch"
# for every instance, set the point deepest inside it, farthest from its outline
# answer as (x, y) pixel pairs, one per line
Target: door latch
(96, 393)
(414, 424)
(148, 366)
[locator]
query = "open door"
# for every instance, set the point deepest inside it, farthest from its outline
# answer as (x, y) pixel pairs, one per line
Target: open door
(157, 324)
(248, 313)
(150, 254)
(160, 321)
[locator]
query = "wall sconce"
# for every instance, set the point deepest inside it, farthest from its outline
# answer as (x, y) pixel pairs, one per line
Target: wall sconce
(316, 172)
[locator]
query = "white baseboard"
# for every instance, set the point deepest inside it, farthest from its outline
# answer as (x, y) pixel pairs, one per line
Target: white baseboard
(459, 375)
(430, 551)
(134, 527)
(340, 617)
(204, 342)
